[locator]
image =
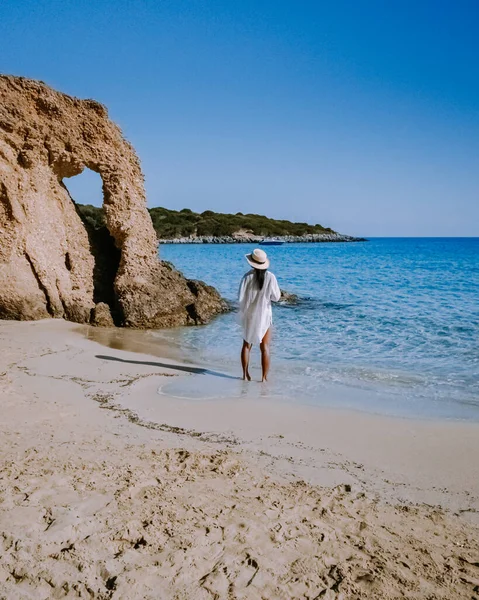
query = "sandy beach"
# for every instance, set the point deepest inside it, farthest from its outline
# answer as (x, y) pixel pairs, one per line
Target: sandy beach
(112, 487)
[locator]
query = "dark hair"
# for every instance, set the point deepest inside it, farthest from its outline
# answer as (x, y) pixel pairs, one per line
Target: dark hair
(259, 277)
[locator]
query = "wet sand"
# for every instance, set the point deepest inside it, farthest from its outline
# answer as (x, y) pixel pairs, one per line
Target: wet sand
(118, 482)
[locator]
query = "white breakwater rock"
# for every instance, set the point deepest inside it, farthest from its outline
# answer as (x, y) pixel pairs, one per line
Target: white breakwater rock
(289, 239)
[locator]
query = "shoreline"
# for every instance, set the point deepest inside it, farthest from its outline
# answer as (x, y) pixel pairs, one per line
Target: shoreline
(227, 417)
(254, 239)
(336, 396)
(406, 442)
(109, 486)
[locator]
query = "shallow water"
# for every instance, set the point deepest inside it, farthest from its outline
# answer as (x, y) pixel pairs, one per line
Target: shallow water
(389, 325)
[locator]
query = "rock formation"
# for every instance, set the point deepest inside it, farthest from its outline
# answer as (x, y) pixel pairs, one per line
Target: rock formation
(289, 298)
(52, 263)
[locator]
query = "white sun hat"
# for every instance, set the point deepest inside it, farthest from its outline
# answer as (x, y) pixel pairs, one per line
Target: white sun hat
(258, 259)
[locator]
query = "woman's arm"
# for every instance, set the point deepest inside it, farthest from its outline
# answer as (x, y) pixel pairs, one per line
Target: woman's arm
(275, 291)
(242, 290)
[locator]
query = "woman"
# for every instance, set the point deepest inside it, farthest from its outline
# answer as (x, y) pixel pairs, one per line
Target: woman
(258, 288)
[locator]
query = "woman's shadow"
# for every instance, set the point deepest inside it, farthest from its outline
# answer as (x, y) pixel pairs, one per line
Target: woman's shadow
(183, 368)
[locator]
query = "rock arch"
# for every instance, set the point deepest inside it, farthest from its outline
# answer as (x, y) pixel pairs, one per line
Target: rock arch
(46, 258)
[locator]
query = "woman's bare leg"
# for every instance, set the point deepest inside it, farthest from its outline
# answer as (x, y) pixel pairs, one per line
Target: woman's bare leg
(265, 358)
(245, 360)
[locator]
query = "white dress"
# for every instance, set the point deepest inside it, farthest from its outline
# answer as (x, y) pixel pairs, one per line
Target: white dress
(255, 311)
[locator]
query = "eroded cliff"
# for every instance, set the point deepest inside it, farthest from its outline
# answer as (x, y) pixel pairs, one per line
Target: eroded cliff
(52, 264)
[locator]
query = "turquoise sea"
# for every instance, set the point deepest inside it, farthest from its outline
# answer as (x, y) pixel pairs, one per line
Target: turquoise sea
(389, 326)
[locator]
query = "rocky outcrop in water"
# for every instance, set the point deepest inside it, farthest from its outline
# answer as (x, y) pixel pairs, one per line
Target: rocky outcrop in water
(288, 298)
(52, 263)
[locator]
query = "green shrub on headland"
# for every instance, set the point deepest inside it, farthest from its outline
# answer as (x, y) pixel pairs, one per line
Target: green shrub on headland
(171, 224)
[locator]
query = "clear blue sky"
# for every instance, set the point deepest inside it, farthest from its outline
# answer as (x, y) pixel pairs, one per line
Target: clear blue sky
(362, 115)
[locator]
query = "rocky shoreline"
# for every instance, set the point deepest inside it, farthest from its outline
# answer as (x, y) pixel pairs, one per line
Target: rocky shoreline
(254, 239)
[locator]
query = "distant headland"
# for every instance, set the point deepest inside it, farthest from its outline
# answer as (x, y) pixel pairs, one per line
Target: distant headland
(188, 227)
